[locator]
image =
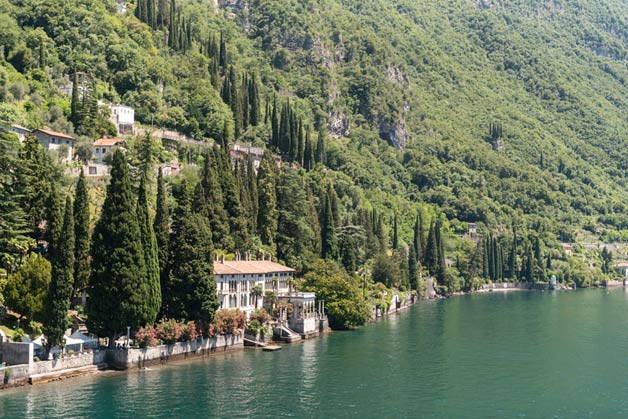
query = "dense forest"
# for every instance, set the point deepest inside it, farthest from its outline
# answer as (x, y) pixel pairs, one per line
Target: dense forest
(398, 123)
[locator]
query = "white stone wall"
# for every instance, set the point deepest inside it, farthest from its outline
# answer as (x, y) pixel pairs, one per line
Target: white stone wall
(74, 361)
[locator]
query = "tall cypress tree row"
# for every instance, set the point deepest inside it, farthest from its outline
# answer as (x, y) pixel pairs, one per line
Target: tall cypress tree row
(267, 200)
(284, 129)
(151, 261)
(60, 292)
(214, 202)
(329, 241)
(81, 236)
(75, 104)
(119, 290)
(190, 293)
(161, 227)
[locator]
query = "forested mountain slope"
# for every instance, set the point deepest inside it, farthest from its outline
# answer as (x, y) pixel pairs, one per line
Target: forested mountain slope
(493, 111)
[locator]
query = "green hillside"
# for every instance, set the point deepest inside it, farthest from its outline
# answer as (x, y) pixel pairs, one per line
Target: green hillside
(499, 112)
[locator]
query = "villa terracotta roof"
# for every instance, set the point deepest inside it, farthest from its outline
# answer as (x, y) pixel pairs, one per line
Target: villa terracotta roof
(55, 134)
(247, 267)
(108, 141)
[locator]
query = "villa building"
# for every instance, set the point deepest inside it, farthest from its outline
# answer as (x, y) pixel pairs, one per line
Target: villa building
(21, 132)
(123, 117)
(235, 281)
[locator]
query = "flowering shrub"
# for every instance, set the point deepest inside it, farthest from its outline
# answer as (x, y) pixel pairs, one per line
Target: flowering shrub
(146, 336)
(169, 331)
(260, 315)
(190, 332)
(229, 322)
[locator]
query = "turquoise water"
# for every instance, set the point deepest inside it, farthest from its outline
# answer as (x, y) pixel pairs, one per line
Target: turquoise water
(497, 355)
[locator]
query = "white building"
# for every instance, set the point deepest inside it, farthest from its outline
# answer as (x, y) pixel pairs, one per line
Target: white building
(235, 281)
(104, 146)
(123, 117)
(51, 140)
(21, 132)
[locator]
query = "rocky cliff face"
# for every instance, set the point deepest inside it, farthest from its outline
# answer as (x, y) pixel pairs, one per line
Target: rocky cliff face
(394, 131)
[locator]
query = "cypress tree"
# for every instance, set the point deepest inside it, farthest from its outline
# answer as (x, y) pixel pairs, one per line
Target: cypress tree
(329, 241)
(308, 153)
(60, 291)
(442, 265)
(75, 104)
(395, 233)
(214, 202)
(254, 101)
(284, 129)
(300, 143)
(251, 184)
(54, 220)
(161, 227)
(81, 235)
(244, 102)
(512, 257)
(119, 291)
(190, 293)
(431, 251)
(267, 200)
(485, 258)
(274, 142)
(223, 52)
(151, 261)
(320, 148)
(413, 270)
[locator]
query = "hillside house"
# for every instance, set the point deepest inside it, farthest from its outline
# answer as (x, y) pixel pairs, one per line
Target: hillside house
(20, 131)
(104, 146)
(239, 151)
(123, 117)
(51, 140)
(236, 279)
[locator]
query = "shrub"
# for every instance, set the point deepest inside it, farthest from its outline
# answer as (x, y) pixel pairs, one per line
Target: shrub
(146, 336)
(260, 315)
(190, 332)
(18, 335)
(254, 327)
(169, 331)
(37, 328)
(288, 306)
(229, 322)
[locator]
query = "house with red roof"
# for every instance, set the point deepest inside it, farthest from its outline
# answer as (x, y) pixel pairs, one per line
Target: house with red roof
(52, 140)
(104, 146)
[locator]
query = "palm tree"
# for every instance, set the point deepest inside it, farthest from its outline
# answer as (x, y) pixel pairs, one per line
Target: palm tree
(257, 292)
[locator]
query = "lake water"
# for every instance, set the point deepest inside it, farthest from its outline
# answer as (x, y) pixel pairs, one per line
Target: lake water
(495, 355)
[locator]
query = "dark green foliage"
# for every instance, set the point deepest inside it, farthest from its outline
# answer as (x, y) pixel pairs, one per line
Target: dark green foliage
(320, 148)
(395, 242)
(329, 241)
(14, 227)
(431, 251)
(81, 235)
(61, 285)
(54, 220)
(413, 269)
(267, 213)
(295, 237)
(212, 205)
(151, 261)
(344, 304)
(161, 227)
(120, 293)
(190, 293)
(25, 291)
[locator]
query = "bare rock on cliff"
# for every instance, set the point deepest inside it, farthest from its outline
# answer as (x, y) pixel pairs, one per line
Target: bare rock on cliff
(394, 131)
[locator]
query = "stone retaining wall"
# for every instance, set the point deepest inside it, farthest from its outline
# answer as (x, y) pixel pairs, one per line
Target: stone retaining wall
(70, 362)
(137, 358)
(16, 375)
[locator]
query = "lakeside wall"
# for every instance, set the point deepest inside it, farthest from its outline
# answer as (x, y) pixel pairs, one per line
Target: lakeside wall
(23, 370)
(122, 359)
